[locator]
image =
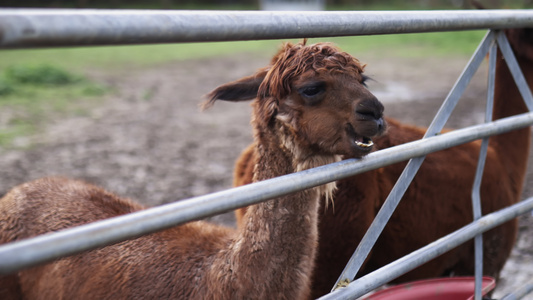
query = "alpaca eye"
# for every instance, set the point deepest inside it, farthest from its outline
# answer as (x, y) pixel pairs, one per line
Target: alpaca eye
(312, 90)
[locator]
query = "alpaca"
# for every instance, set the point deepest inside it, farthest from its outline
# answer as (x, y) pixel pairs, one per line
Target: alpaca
(437, 201)
(311, 108)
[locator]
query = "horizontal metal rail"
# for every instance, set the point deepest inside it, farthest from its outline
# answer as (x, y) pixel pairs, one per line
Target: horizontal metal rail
(21, 254)
(417, 258)
(68, 27)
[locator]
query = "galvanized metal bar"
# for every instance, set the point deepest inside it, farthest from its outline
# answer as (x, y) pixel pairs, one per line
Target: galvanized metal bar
(478, 239)
(476, 189)
(399, 189)
(76, 27)
(26, 253)
(520, 293)
(516, 72)
(380, 221)
(409, 262)
(460, 85)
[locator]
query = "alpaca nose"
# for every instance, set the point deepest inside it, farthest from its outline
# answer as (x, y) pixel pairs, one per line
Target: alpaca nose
(381, 124)
(371, 109)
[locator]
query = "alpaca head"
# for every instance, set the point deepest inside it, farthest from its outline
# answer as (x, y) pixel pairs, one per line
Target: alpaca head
(316, 96)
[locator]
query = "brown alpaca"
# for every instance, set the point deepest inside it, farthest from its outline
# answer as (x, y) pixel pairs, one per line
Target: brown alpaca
(311, 108)
(437, 202)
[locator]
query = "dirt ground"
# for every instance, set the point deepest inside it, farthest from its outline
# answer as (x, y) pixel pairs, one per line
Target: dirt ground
(150, 142)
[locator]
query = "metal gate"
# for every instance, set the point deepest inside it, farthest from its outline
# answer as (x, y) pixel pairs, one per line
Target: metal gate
(27, 28)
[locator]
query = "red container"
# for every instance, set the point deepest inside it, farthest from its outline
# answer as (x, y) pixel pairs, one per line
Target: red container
(450, 288)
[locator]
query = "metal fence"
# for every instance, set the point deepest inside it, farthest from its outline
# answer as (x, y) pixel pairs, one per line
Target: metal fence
(50, 28)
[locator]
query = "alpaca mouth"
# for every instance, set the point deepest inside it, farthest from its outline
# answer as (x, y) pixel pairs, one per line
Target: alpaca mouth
(360, 143)
(364, 142)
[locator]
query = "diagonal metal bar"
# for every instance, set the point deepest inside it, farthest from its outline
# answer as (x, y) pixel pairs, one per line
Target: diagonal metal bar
(516, 72)
(419, 257)
(520, 293)
(457, 90)
(369, 239)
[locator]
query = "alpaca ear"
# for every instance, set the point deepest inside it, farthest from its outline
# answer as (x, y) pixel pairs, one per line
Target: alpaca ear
(243, 89)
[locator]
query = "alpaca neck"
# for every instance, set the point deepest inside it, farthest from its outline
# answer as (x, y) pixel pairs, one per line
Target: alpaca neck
(512, 147)
(273, 254)
(507, 98)
(303, 159)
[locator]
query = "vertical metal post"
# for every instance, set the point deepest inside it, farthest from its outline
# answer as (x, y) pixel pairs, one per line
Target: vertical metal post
(476, 194)
(392, 201)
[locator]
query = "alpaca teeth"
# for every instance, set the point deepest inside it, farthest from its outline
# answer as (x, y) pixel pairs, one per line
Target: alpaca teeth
(365, 145)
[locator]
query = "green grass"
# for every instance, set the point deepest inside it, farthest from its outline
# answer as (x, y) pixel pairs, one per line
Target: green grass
(17, 128)
(112, 57)
(34, 93)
